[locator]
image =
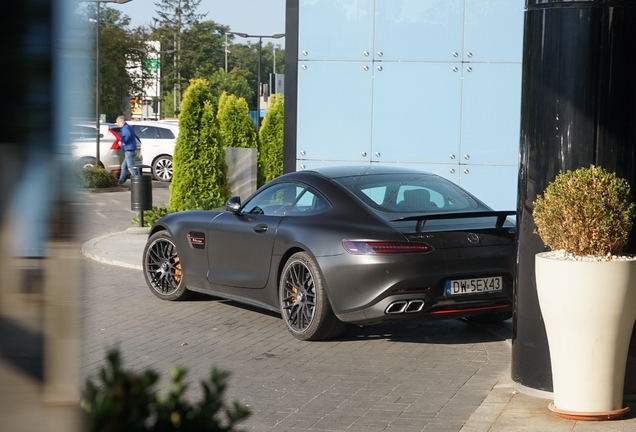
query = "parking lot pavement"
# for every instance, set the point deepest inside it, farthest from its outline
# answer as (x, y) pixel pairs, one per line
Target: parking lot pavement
(437, 376)
(397, 378)
(411, 377)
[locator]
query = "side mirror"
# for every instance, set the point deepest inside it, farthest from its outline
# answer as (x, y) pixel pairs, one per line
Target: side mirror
(233, 204)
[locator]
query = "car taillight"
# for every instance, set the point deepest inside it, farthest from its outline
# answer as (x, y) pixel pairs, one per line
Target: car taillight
(115, 145)
(377, 247)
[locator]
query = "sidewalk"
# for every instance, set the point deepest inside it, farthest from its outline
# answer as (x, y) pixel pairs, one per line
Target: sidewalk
(122, 249)
(504, 409)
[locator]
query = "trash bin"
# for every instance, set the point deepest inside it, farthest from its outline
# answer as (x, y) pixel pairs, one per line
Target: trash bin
(141, 191)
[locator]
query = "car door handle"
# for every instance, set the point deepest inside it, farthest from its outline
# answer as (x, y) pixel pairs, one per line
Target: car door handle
(260, 228)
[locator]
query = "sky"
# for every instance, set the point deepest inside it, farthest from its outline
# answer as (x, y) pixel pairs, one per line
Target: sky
(258, 17)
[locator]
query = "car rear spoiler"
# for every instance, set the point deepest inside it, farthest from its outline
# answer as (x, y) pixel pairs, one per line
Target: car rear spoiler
(421, 219)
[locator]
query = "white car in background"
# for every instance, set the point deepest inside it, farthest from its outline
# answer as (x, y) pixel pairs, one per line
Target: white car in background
(84, 146)
(159, 138)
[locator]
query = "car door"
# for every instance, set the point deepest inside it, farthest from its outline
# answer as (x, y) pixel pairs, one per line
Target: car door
(241, 245)
(166, 141)
(148, 135)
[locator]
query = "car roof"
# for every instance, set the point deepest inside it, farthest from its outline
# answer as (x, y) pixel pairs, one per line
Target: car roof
(156, 123)
(361, 170)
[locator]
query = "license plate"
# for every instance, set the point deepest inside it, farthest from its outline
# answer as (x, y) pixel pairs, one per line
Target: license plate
(473, 286)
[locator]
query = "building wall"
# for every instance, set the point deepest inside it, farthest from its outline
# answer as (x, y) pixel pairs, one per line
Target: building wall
(433, 85)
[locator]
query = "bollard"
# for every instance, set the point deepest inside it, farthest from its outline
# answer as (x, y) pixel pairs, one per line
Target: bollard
(141, 192)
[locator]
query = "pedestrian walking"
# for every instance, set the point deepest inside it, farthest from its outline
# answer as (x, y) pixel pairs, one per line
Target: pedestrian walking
(128, 144)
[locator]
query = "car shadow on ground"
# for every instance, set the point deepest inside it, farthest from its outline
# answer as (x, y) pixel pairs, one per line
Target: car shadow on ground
(199, 297)
(451, 331)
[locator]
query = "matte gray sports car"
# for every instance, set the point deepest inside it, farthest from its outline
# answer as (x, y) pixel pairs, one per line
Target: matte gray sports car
(341, 245)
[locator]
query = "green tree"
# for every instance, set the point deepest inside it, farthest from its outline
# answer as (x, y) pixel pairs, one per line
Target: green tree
(245, 57)
(235, 123)
(175, 18)
(203, 46)
(270, 152)
(118, 45)
(167, 104)
(235, 82)
(200, 170)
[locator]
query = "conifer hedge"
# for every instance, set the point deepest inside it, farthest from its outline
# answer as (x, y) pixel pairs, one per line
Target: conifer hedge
(200, 171)
(270, 150)
(235, 123)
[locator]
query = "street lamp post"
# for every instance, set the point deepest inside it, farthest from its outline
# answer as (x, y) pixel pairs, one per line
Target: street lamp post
(275, 46)
(258, 82)
(226, 51)
(99, 2)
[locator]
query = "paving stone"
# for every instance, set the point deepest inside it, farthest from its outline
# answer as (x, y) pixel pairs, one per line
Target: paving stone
(385, 377)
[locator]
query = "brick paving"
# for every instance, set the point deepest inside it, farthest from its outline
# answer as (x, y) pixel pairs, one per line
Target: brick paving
(409, 377)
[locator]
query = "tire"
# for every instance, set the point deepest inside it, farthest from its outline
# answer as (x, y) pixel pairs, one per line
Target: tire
(86, 162)
(490, 318)
(162, 268)
(162, 168)
(303, 301)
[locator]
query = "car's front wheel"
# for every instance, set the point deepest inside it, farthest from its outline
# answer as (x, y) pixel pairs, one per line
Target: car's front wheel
(162, 268)
(162, 168)
(304, 303)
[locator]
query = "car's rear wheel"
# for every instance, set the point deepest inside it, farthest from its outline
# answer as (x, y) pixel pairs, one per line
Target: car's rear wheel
(162, 268)
(304, 303)
(162, 168)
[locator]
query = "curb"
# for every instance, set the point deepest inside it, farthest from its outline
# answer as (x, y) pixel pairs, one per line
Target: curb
(138, 230)
(91, 251)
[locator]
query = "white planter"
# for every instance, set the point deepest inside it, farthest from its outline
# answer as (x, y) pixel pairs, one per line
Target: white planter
(589, 308)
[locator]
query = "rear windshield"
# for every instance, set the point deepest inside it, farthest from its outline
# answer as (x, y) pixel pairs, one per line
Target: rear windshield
(407, 193)
(165, 133)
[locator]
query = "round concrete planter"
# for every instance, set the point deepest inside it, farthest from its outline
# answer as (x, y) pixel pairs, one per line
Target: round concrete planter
(589, 308)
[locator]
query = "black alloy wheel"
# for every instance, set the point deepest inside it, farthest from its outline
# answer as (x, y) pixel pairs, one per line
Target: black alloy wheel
(162, 268)
(304, 303)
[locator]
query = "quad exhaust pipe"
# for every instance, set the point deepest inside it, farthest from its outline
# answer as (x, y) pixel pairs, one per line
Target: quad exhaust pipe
(404, 306)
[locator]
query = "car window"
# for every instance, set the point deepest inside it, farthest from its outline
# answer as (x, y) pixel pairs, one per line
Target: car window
(375, 194)
(165, 133)
(145, 131)
(83, 132)
(415, 198)
(399, 193)
(309, 202)
(274, 200)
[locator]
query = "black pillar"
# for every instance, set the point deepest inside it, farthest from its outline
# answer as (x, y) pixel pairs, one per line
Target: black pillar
(578, 108)
(291, 86)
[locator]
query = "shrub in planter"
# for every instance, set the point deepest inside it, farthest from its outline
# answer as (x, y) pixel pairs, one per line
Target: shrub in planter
(588, 211)
(127, 401)
(235, 123)
(586, 290)
(95, 177)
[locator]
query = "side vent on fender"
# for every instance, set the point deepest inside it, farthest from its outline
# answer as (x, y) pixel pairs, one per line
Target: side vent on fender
(196, 239)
